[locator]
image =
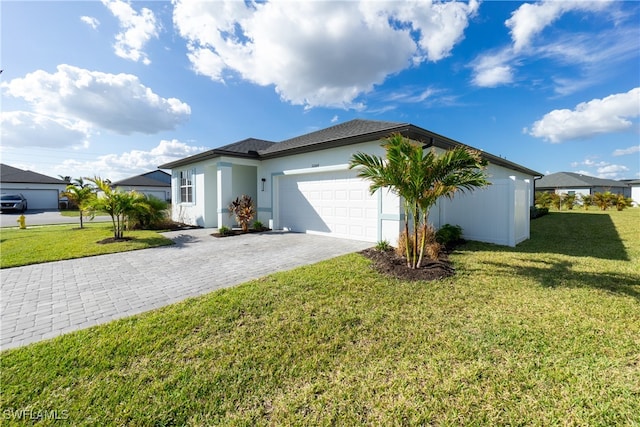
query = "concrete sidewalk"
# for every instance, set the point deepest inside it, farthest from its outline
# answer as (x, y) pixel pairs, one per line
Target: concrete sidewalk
(46, 300)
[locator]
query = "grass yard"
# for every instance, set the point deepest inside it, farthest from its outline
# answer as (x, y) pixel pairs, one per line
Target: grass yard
(57, 242)
(547, 333)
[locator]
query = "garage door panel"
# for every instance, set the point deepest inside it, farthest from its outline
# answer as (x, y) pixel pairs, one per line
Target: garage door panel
(337, 203)
(37, 198)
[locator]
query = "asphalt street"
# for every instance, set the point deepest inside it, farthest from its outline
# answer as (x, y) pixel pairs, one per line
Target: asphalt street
(40, 217)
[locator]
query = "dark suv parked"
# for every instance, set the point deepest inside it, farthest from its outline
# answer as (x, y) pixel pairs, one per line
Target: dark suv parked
(13, 202)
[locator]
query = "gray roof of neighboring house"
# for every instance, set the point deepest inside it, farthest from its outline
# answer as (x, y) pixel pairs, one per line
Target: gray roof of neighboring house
(351, 132)
(148, 179)
(575, 180)
(15, 175)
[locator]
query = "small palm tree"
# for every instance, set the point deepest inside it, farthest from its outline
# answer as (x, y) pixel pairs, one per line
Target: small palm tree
(622, 202)
(420, 178)
(120, 205)
(603, 200)
(82, 196)
(587, 200)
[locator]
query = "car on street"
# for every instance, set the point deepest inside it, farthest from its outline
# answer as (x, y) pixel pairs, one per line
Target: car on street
(13, 203)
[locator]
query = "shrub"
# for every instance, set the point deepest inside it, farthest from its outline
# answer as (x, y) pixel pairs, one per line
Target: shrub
(242, 208)
(383, 246)
(587, 200)
(224, 230)
(432, 247)
(152, 217)
(258, 225)
(536, 212)
(449, 234)
(543, 199)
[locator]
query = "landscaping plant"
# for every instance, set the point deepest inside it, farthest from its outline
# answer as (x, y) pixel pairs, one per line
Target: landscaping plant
(243, 210)
(587, 200)
(81, 194)
(420, 178)
(119, 204)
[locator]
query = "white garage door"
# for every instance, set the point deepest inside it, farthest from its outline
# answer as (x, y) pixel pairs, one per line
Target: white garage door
(37, 199)
(332, 203)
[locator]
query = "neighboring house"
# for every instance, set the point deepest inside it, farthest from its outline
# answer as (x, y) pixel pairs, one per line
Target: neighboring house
(155, 183)
(634, 185)
(578, 184)
(41, 191)
(304, 184)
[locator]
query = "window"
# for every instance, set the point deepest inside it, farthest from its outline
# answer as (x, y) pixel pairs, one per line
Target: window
(186, 186)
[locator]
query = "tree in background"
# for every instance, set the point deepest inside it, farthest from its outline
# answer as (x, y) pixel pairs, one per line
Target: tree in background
(420, 178)
(81, 195)
(543, 199)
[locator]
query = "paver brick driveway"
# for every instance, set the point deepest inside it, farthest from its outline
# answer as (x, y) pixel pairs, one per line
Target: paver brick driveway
(46, 300)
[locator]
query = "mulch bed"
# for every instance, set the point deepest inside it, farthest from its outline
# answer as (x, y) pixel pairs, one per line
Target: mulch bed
(237, 232)
(391, 264)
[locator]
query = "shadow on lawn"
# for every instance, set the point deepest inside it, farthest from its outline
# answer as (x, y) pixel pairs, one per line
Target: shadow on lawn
(560, 273)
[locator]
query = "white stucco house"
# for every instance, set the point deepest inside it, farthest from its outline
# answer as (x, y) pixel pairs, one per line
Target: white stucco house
(304, 184)
(41, 191)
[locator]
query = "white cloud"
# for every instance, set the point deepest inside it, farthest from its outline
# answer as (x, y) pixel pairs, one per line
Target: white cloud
(598, 116)
(530, 19)
(137, 29)
(90, 21)
(611, 171)
(318, 53)
(26, 129)
(493, 69)
(117, 102)
(134, 162)
(626, 151)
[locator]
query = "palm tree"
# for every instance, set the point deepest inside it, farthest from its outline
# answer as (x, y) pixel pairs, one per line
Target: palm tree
(82, 196)
(120, 205)
(420, 179)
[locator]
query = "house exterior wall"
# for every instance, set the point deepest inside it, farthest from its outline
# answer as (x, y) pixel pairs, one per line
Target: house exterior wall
(334, 159)
(498, 214)
(635, 194)
(216, 183)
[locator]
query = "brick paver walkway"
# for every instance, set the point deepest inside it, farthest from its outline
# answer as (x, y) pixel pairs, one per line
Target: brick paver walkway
(46, 300)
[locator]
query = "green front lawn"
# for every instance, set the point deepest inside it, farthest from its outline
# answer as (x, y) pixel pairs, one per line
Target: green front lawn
(56, 242)
(547, 333)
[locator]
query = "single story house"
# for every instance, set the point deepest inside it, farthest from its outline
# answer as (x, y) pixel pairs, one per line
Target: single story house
(304, 184)
(579, 184)
(155, 183)
(41, 191)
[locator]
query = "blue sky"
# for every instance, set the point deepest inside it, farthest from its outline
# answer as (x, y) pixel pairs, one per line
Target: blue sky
(115, 88)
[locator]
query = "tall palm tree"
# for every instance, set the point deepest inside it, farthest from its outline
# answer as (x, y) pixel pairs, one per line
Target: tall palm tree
(420, 178)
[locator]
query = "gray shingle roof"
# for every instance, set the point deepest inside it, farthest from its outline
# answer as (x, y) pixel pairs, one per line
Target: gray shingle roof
(147, 179)
(350, 129)
(351, 132)
(246, 148)
(575, 180)
(15, 175)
